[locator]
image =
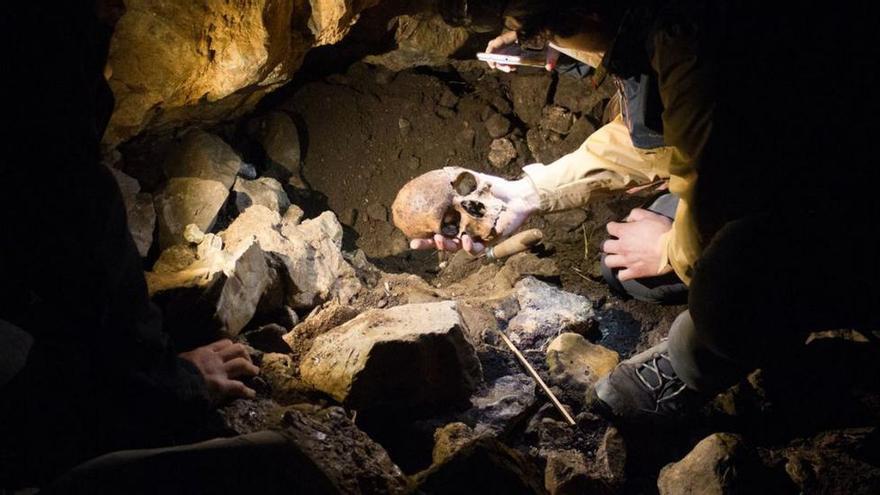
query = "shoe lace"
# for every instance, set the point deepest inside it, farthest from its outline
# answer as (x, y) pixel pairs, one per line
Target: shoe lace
(666, 386)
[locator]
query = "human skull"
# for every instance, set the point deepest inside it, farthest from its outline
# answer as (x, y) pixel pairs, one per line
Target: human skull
(451, 201)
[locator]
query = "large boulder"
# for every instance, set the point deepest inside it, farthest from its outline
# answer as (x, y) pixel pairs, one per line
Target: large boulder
(211, 60)
(185, 201)
(310, 253)
(277, 135)
(414, 355)
(204, 156)
(216, 294)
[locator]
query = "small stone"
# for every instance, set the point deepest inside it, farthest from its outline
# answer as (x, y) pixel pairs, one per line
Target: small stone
(501, 152)
(204, 156)
(292, 216)
(193, 234)
(348, 216)
(445, 113)
(557, 119)
(378, 212)
(264, 191)
(414, 163)
(610, 464)
(529, 93)
(448, 99)
(566, 473)
(501, 104)
(404, 125)
(449, 439)
(467, 137)
(575, 363)
(497, 125)
(503, 403)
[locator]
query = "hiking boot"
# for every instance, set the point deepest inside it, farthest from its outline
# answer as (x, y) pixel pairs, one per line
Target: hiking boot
(645, 389)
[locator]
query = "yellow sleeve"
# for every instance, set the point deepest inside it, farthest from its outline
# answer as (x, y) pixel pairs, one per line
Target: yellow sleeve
(606, 161)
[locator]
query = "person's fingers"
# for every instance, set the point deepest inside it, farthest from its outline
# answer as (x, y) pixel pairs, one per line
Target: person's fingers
(421, 244)
(626, 274)
(234, 389)
(615, 261)
(614, 228)
(467, 243)
(220, 344)
(638, 214)
(233, 351)
(470, 245)
(505, 68)
(552, 58)
(611, 246)
(239, 367)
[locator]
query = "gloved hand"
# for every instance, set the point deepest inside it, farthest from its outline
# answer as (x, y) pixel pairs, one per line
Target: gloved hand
(521, 200)
(504, 41)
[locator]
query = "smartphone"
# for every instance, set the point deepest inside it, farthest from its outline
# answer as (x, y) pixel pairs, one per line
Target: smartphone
(523, 57)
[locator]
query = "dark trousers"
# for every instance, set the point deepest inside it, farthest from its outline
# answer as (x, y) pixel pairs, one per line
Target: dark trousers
(765, 282)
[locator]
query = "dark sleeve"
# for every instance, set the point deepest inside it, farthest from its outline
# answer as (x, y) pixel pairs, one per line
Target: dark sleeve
(66, 248)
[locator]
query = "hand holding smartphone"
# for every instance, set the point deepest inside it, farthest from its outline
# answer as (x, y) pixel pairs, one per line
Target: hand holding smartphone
(524, 58)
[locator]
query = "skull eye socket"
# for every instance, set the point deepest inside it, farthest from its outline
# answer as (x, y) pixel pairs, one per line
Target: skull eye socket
(451, 221)
(465, 183)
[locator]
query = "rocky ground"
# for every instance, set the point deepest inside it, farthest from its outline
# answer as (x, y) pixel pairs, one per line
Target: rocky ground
(386, 365)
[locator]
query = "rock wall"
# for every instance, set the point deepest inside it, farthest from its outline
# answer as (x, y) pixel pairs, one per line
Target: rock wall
(177, 62)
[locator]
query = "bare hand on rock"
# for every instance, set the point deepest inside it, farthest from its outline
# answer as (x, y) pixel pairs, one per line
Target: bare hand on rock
(222, 364)
(637, 249)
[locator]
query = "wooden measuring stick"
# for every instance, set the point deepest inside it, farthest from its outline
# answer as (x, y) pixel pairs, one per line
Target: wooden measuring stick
(537, 378)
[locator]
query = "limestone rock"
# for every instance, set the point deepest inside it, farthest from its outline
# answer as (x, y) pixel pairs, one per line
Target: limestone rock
(497, 125)
(407, 356)
(211, 60)
(264, 191)
(557, 119)
(501, 152)
(484, 465)
(498, 406)
(139, 209)
(186, 201)
(529, 94)
(204, 156)
(310, 253)
(575, 363)
(566, 473)
(610, 462)
(835, 461)
(323, 319)
(719, 464)
(339, 458)
(545, 312)
(280, 374)
(449, 439)
(279, 138)
(218, 292)
(421, 41)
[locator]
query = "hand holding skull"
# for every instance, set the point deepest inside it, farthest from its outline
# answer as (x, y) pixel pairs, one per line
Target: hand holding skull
(456, 208)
